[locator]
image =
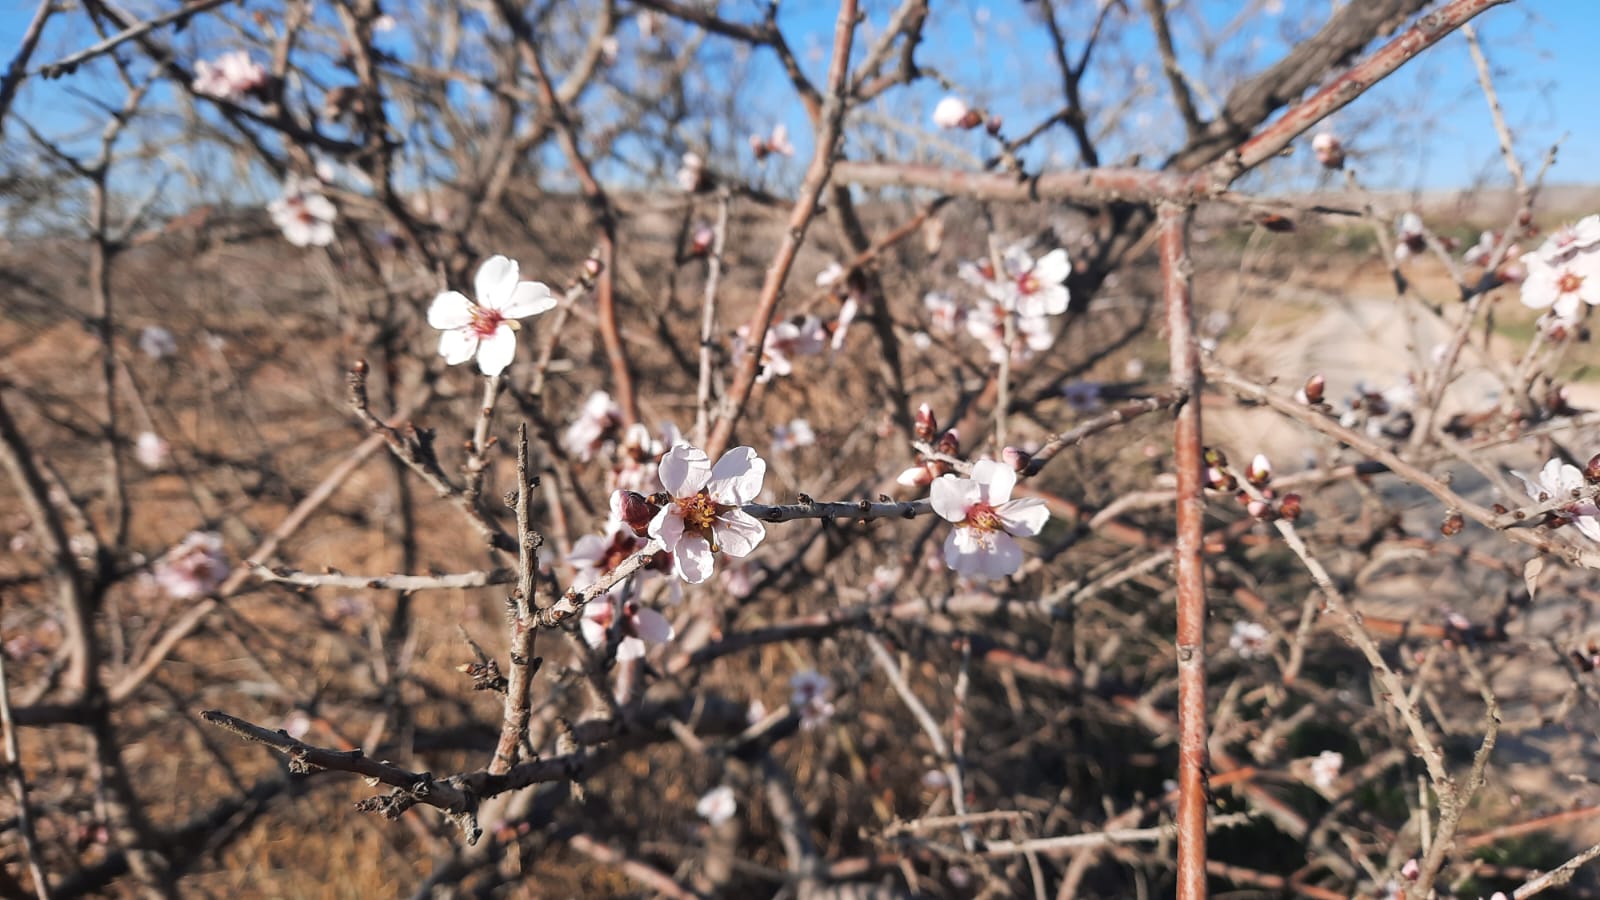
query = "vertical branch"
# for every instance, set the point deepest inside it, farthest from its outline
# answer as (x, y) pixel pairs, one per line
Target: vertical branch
(708, 320)
(18, 69)
(514, 728)
(19, 789)
(805, 208)
(1173, 222)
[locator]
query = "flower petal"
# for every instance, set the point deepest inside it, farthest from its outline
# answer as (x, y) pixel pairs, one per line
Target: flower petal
(529, 299)
(496, 351)
(594, 634)
(667, 528)
(738, 532)
(994, 479)
(495, 282)
(1053, 268)
(1024, 517)
(652, 627)
(1004, 557)
(450, 309)
(630, 648)
(685, 470)
(457, 346)
(694, 559)
(951, 496)
(737, 476)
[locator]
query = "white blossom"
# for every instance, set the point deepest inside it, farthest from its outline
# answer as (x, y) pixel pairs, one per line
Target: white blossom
(486, 328)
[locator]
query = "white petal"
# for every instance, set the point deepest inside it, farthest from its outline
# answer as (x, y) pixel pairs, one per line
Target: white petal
(694, 559)
(529, 299)
(1004, 557)
(497, 350)
(737, 477)
(495, 282)
(652, 627)
(450, 309)
(1053, 268)
(667, 528)
(995, 480)
(685, 470)
(1024, 517)
(951, 496)
(457, 346)
(593, 632)
(738, 533)
(630, 648)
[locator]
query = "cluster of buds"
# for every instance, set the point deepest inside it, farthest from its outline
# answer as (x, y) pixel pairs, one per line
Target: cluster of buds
(925, 427)
(1263, 503)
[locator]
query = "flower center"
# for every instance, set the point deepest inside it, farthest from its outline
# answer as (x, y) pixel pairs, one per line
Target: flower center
(1569, 282)
(1028, 284)
(485, 321)
(982, 517)
(698, 512)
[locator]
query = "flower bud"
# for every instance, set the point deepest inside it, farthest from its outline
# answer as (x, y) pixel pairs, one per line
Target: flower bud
(926, 425)
(1016, 459)
(1289, 507)
(1316, 387)
(1215, 457)
(701, 240)
(993, 125)
(1260, 471)
(1452, 524)
(592, 267)
(949, 443)
(632, 509)
(951, 112)
(1591, 471)
(1217, 479)
(1259, 509)
(1329, 150)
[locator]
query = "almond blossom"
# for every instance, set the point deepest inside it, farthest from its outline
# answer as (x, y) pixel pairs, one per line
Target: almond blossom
(953, 112)
(703, 516)
(809, 698)
(1249, 639)
(1034, 287)
(778, 143)
(986, 519)
(796, 434)
(1558, 480)
(599, 418)
(1328, 149)
(717, 805)
(1325, 768)
(640, 626)
(801, 336)
(303, 215)
(486, 328)
(194, 568)
(231, 77)
(1569, 240)
(157, 342)
(1560, 286)
(151, 450)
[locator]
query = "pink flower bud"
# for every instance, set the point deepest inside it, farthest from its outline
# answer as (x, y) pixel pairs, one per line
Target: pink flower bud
(1329, 150)
(1259, 509)
(592, 267)
(1411, 870)
(993, 125)
(701, 240)
(1316, 387)
(1260, 471)
(633, 510)
(949, 443)
(952, 112)
(1591, 470)
(926, 425)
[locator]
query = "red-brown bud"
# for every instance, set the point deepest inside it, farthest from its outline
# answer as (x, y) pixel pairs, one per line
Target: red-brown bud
(1260, 470)
(1289, 507)
(633, 510)
(1015, 458)
(592, 267)
(993, 125)
(949, 443)
(1591, 471)
(1316, 387)
(1452, 524)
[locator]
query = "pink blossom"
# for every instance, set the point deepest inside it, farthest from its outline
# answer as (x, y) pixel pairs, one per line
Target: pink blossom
(1558, 480)
(1325, 768)
(704, 515)
(640, 626)
(809, 698)
(194, 568)
(598, 419)
(1034, 288)
(1328, 149)
(691, 174)
(1562, 285)
(1249, 639)
(1569, 240)
(151, 451)
(157, 342)
(231, 77)
(986, 519)
(953, 112)
(303, 214)
(801, 336)
(486, 329)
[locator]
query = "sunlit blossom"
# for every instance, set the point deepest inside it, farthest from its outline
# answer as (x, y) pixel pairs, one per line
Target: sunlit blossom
(151, 450)
(703, 516)
(1561, 286)
(1325, 768)
(717, 805)
(596, 422)
(1249, 639)
(953, 112)
(1568, 240)
(1557, 481)
(639, 625)
(230, 77)
(987, 519)
(486, 328)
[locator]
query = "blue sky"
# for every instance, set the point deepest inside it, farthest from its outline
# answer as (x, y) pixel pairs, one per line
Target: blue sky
(1426, 128)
